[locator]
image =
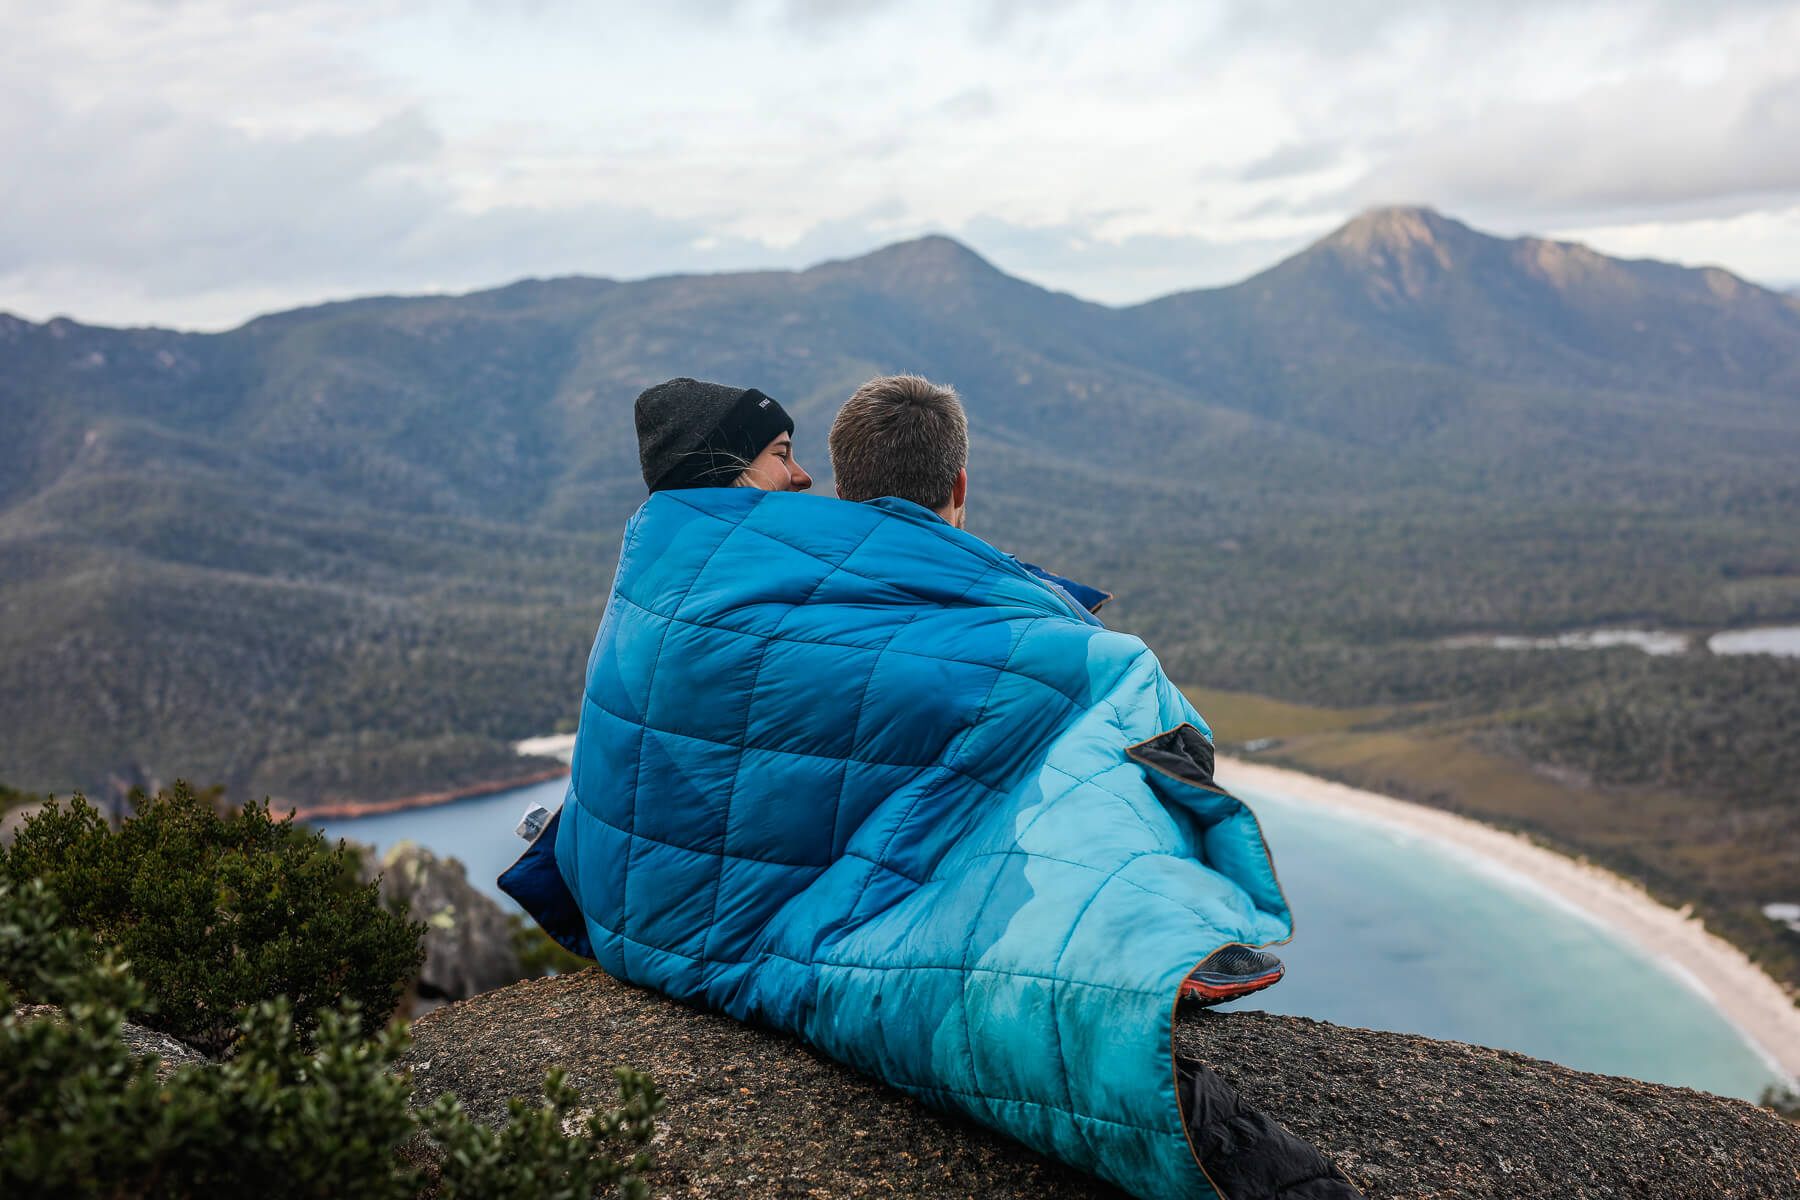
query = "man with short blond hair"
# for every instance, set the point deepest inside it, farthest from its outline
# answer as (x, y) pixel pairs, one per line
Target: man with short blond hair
(905, 436)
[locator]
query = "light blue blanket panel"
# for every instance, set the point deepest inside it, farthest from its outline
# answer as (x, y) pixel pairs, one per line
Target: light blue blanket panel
(852, 773)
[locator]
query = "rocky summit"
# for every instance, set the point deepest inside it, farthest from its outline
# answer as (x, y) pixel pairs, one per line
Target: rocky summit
(753, 1113)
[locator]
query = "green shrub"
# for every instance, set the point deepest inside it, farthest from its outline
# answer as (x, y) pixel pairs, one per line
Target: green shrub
(80, 1116)
(216, 914)
(529, 1158)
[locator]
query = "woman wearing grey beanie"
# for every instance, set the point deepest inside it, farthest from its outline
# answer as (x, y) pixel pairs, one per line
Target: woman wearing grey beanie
(693, 434)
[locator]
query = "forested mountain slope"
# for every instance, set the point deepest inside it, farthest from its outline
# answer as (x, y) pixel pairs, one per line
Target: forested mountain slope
(353, 550)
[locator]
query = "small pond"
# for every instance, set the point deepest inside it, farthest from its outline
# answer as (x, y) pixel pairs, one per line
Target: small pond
(1781, 640)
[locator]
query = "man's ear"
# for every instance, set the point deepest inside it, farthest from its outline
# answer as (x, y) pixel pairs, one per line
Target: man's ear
(837, 491)
(959, 491)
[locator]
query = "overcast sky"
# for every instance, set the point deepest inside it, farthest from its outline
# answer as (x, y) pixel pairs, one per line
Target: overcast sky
(196, 163)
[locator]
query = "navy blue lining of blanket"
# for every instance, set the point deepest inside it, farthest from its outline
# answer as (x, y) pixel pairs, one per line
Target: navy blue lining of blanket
(537, 884)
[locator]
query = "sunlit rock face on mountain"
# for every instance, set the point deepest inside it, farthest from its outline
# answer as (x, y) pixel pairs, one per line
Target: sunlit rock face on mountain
(1401, 253)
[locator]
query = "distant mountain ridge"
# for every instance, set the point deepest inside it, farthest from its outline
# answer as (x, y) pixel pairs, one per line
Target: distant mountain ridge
(1399, 287)
(248, 554)
(1411, 285)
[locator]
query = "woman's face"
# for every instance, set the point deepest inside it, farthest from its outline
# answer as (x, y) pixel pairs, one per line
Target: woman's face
(774, 470)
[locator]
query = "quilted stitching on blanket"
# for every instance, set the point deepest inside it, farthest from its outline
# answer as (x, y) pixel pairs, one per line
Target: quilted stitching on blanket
(852, 773)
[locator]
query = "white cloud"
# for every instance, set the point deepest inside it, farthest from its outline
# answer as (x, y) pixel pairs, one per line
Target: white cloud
(1742, 240)
(195, 160)
(1124, 270)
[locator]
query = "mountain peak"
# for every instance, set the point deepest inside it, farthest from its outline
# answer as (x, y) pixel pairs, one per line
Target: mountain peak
(929, 261)
(1400, 253)
(1400, 234)
(933, 247)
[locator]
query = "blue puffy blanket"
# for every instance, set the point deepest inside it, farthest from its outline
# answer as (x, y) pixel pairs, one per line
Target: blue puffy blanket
(852, 773)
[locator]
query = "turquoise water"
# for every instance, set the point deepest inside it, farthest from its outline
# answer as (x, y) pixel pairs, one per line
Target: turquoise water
(1399, 932)
(1392, 931)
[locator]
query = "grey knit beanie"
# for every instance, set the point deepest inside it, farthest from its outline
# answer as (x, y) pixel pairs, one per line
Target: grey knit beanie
(696, 434)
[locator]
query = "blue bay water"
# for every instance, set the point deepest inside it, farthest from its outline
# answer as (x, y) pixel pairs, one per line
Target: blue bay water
(1399, 932)
(1392, 931)
(479, 830)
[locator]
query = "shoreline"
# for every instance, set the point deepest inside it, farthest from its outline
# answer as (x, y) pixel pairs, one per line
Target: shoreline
(339, 810)
(1749, 999)
(1678, 942)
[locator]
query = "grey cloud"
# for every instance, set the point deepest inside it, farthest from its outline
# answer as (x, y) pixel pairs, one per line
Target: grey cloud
(1296, 158)
(218, 221)
(1317, 204)
(996, 18)
(506, 243)
(146, 192)
(801, 16)
(1649, 148)
(1641, 148)
(972, 102)
(987, 18)
(816, 13)
(1342, 27)
(146, 214)
(117, 202)
(1338, 25)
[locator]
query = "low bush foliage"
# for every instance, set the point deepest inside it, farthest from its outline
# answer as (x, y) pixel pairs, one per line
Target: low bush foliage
(220, 913)
(79, 1115)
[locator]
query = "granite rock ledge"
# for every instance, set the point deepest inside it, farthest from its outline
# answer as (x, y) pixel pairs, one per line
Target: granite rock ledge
(752, 1113)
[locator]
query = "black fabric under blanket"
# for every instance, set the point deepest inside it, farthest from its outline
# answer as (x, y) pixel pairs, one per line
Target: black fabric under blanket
(1246, 1153)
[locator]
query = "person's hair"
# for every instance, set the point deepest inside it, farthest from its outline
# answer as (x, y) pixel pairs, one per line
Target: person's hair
(903, 436)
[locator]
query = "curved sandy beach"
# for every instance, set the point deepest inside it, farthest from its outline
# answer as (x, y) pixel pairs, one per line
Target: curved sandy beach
(1753, 1001)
